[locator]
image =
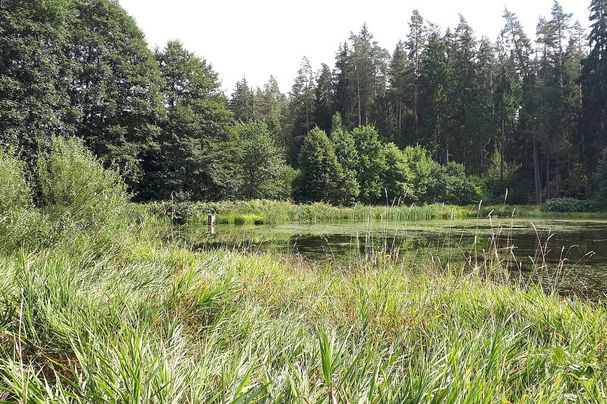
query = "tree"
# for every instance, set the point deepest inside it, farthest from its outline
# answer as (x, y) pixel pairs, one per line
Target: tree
(242, 102)
(343, 84)
(397, 178)
(400, 78)
(506, 101)
(271, 109)
(457, 188)
(520, 49)
(116, 87)
(323, 107)
(370, 72)
(35, 73)
(301, 109)
(594, 83)
(415, 45)
(433, 86)
(319, 169)
(260, 164)
(348, 188)
(190, 161)
(425, 174)
(370, 165)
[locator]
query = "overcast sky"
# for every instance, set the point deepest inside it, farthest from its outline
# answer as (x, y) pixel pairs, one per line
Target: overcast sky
(259, 38)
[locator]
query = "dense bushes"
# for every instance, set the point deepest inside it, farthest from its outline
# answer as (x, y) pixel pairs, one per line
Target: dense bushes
(75, 188)
(73, 193)
(14, 189)
(568, 205)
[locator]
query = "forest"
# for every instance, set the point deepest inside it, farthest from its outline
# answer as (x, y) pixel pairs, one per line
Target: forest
(445, 116)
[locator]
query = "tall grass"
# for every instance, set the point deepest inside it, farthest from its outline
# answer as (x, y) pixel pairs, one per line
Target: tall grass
(164, 324)
(276, 212)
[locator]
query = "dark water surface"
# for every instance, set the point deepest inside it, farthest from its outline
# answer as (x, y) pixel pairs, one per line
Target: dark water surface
(569, 256)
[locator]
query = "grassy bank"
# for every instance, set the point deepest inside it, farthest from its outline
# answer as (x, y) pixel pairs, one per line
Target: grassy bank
(150, 322)
(275, 212)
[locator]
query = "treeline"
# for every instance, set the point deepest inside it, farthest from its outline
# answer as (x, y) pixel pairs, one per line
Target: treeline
(445, 117)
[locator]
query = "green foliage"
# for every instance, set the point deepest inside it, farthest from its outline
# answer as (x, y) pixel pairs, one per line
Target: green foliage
(567, 205)
(14, 189)
(425, 173)
(75, 190)
(263, 171)
(398, 177)
(370, 163)
(600, 179)
(348, 188)
(319, 168)
(20, 225)
(458, 189)
(493, 178)
(192, 158)
(117, 97)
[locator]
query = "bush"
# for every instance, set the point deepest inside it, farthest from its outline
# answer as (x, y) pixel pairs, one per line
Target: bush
(76, 190)
(15, 192)
(458, 189)
(568, 205)
(600, 179)
(20, 224)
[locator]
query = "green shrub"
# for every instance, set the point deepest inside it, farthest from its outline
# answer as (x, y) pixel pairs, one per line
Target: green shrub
(458, 189)
(76, 190)
(567, 205)
(14, 190)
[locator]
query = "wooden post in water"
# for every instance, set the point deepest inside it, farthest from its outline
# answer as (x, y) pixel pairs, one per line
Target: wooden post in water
(211, 219)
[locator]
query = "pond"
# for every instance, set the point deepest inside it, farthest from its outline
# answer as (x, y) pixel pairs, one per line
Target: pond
(569, 256)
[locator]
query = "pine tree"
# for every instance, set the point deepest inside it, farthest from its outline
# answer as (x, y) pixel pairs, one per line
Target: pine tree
(520, 48)
(594, 81)
(301, 109)
(271, 109)
(432, 102)
(415, 44)
(400, 79)
(343, 84)
(323, 108)
(242, 102)
(370, 73)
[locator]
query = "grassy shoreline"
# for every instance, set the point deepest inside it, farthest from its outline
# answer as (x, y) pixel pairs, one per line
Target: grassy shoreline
(258, 212)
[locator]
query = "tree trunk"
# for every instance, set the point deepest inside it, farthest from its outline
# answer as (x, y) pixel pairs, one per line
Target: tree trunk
(502, 159)
(536, 169)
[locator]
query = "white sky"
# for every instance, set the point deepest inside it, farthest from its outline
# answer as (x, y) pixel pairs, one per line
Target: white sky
(257, 38)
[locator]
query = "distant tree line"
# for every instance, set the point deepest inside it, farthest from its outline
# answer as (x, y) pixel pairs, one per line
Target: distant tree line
(445, 117)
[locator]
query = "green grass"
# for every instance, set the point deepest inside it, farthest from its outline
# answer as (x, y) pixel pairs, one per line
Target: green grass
(142, 320)
(276, 212)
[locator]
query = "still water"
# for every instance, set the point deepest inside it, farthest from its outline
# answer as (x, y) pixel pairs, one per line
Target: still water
(568, 256)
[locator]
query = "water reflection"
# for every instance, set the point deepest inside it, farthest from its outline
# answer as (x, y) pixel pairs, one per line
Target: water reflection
(571, 255)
